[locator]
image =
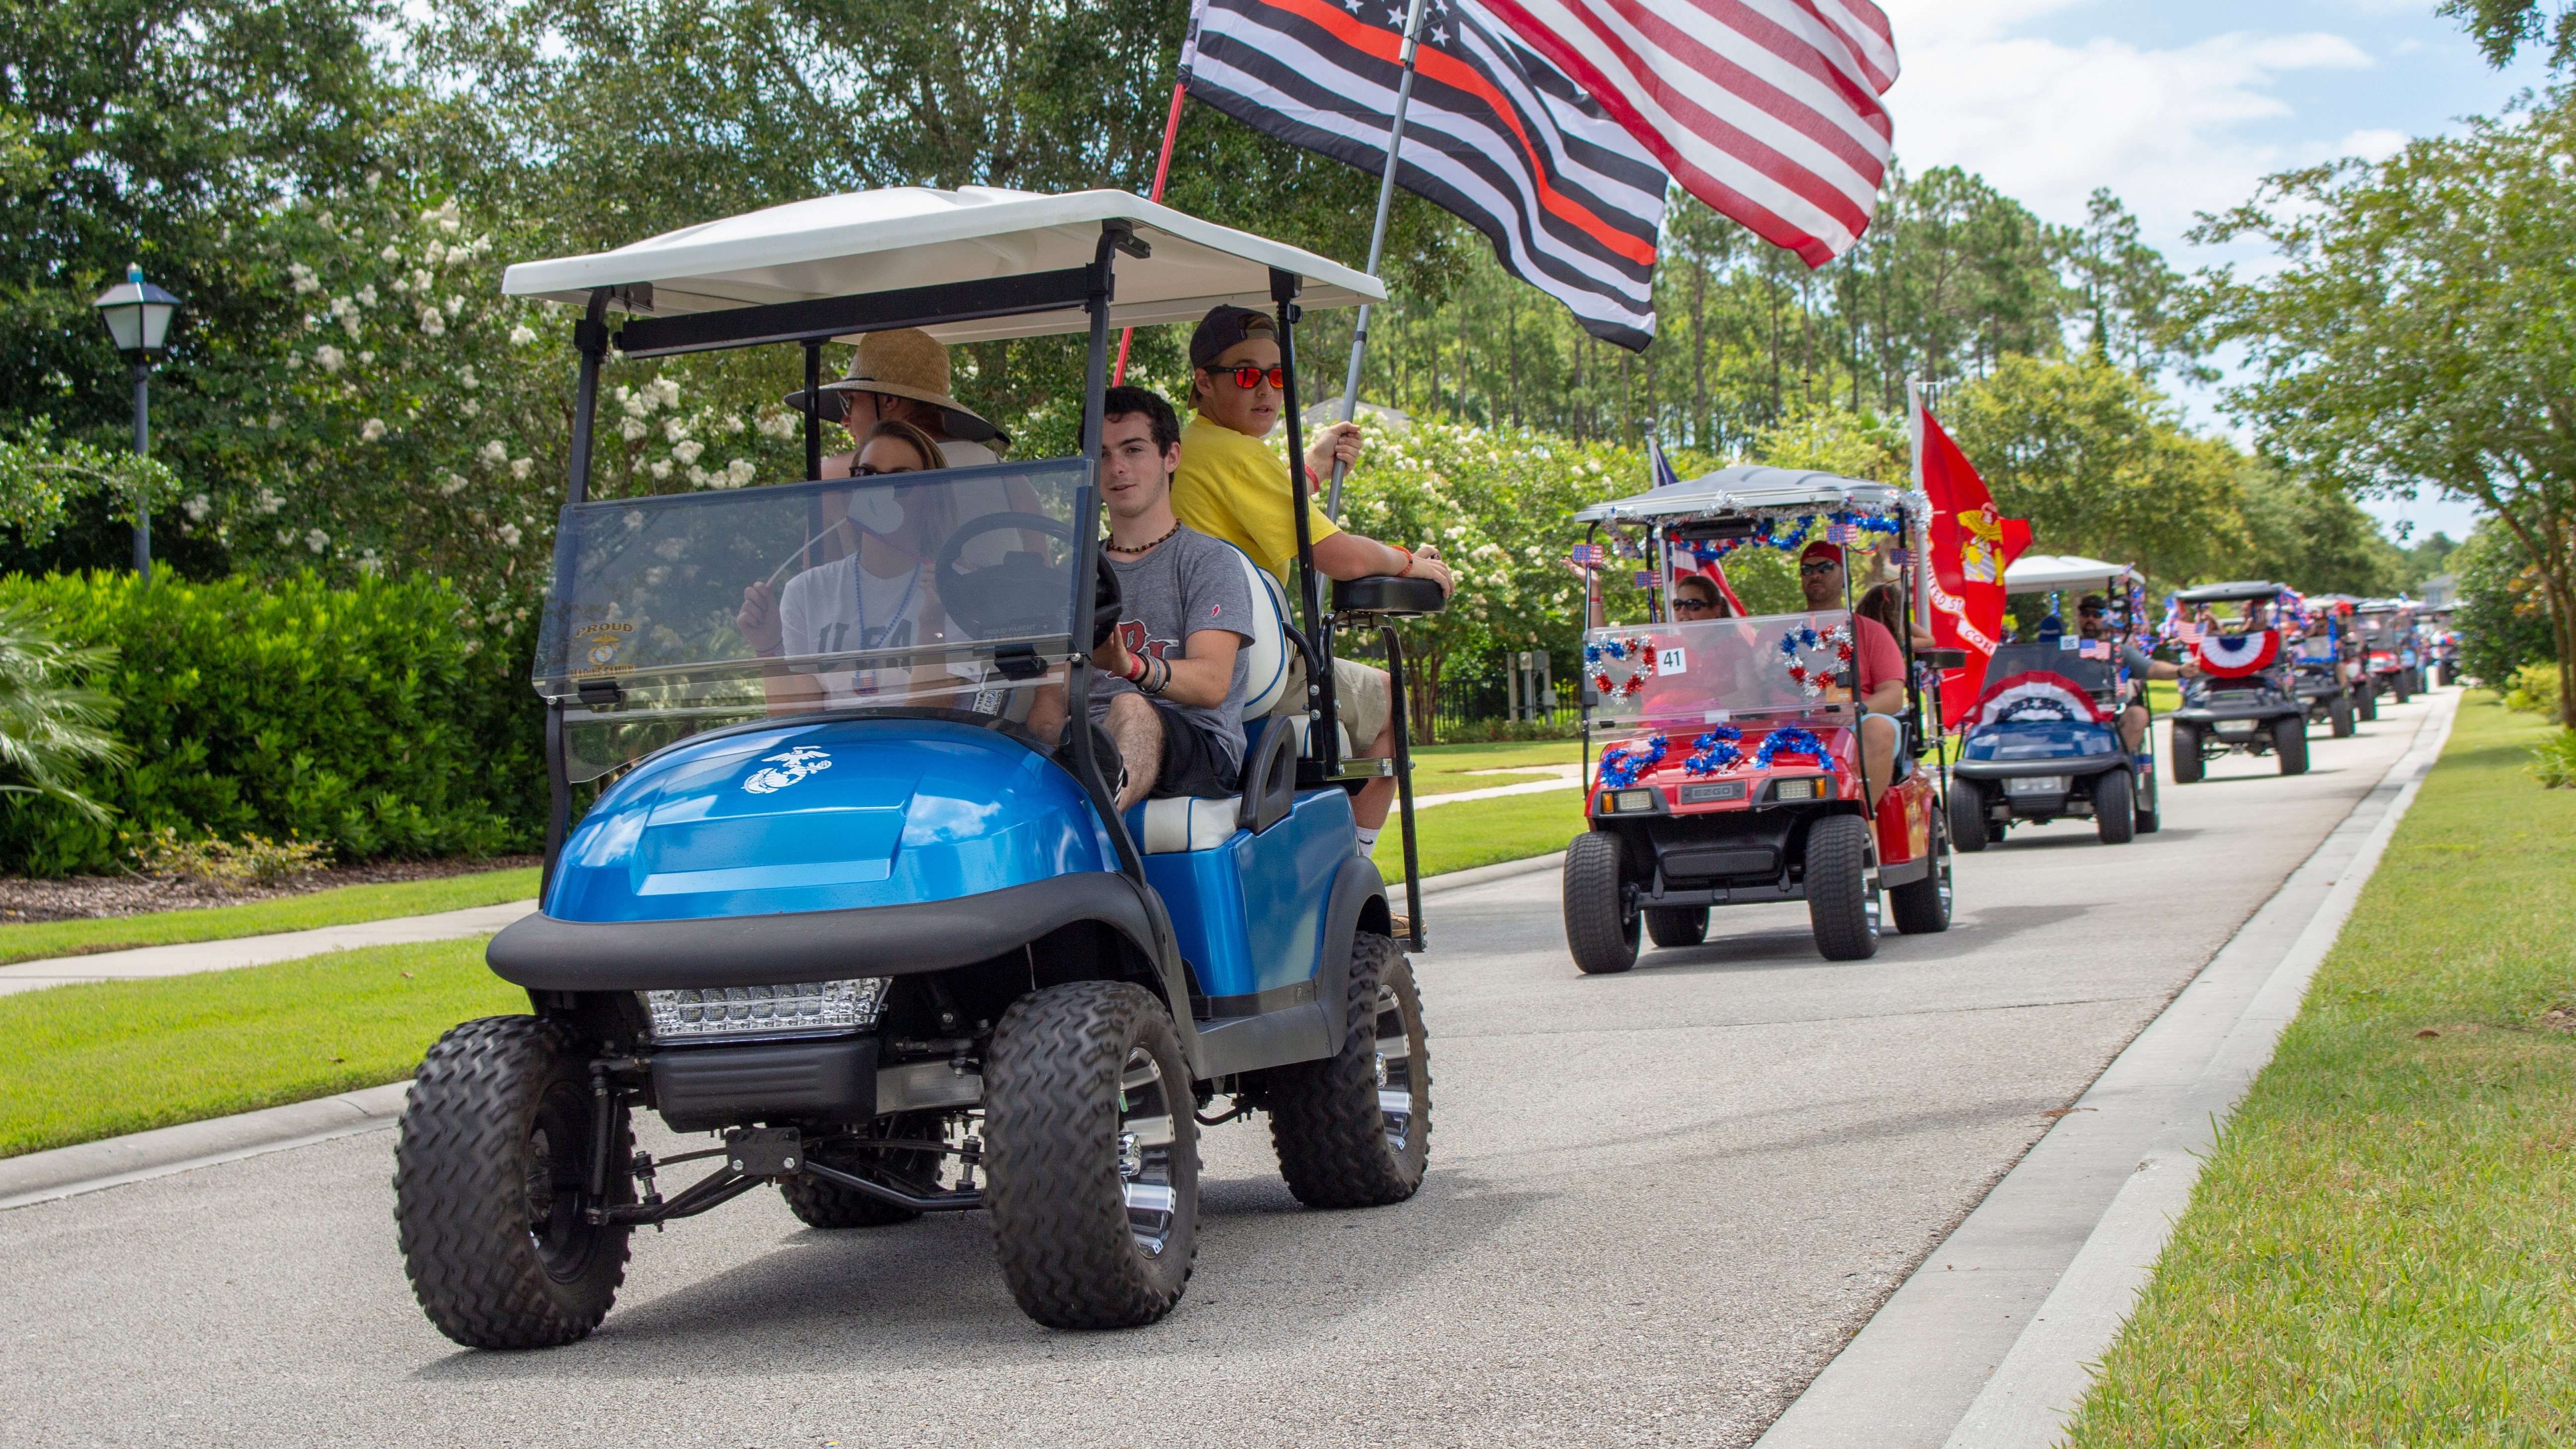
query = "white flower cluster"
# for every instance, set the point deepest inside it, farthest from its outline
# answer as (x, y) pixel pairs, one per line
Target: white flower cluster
(433, 323)
(306, 283)
(522, 335)
(373, 430)
(780, 425)
(732, 475)
(455, 483)
(509, 535)
(494, 452)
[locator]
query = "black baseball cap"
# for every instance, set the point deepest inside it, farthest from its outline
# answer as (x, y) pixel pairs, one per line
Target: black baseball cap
(2091, 602)
(1225, 326)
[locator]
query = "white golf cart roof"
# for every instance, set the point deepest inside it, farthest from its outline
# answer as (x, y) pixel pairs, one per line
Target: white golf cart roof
(914, 236)
(1746, 490)
(2041, 573)
(2230, 593)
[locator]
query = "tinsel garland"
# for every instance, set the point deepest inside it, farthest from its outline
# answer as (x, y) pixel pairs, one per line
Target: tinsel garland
(1714, 751)
(1791, 740)
(1803, 637)
(1622, 764)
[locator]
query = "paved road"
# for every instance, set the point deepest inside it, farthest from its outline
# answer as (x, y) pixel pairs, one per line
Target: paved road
(1660, 1202)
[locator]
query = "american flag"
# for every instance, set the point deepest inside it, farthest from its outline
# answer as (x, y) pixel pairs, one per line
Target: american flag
(1587, 556)
(1845, 534)
(1645, 578)
(2096, 649)
(1494, 134)
(1767, 110)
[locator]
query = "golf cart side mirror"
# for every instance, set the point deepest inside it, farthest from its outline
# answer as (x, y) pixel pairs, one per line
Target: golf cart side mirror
(1389, 596)
(1943, 658)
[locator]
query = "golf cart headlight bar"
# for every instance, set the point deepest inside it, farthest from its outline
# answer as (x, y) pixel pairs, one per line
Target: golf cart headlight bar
(1632, 802)
(1805, 787)
(696, 1013)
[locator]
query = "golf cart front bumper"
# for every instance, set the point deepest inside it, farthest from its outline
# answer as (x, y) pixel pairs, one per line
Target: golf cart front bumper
(2039, 789)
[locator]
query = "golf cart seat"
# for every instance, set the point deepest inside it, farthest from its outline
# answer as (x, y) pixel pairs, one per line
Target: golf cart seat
(1185, 823)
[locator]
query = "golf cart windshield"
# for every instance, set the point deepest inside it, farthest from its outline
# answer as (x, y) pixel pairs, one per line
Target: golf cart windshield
(2099, 676)
(948, 590)
(1719, 669)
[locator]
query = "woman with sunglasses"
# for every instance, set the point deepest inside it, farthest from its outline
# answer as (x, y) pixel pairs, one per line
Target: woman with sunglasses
(877, 595)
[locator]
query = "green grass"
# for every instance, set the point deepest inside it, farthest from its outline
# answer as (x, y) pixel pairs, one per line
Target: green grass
(78, 1063)
(340, 907)
(1483, 832)
(2164, 696)
(2382, 1249)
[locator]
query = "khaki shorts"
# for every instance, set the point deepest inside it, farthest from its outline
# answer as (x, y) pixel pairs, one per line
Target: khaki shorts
(1359, 692)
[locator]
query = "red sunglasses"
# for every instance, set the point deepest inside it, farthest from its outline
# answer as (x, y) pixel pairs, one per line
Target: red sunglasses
(1248, 377)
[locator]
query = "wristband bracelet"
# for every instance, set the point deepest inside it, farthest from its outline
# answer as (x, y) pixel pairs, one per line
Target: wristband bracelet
(1409, 562)
(1135, 668)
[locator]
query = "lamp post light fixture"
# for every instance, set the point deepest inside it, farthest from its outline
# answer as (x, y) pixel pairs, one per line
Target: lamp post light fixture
(138, 315)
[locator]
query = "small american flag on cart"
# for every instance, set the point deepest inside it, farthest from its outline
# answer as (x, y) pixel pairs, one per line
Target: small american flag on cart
(2096, 649)
(1846, 534)
(1645, 578)
(1587, 556)
(1900, 556)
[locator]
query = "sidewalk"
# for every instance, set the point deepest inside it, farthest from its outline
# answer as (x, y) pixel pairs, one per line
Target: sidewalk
(144, 963)
(1990, 1343)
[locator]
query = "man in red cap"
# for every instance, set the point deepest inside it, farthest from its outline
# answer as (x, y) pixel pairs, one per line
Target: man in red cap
(1882, 665)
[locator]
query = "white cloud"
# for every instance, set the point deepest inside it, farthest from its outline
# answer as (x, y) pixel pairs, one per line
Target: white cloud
(2046, 121)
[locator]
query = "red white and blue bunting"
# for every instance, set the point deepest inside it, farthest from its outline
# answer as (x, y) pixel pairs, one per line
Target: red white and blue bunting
(2233, 656)
(2035, 695)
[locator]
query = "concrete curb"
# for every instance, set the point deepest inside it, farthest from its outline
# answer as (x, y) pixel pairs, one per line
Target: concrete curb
(2064, 1241)
(2039, 1384)
(1501, 870)
(69, 1171)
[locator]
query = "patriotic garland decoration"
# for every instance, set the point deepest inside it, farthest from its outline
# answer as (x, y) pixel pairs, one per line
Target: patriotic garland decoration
(1788, 534)
(1801, 638)
(2233, 656)
(1791, 740)
(2036, 695)
(1622, 764)
(1714, 751)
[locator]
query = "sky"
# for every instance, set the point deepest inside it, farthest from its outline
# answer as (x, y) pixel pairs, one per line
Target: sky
(2181, 107)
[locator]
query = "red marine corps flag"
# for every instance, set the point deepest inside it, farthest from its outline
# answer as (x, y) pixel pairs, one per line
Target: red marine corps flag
(1971, 546)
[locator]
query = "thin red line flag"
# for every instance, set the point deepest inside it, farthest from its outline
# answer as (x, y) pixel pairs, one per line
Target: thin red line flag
(1767, 110)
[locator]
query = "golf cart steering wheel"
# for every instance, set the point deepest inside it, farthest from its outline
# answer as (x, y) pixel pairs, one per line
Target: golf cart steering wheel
(1021, 594)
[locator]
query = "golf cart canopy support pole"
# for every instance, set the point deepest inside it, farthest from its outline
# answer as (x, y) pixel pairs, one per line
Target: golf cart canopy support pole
(590, 337)
(1323, 735)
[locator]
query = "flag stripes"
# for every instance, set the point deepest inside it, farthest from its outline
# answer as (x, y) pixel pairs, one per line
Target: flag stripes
(1767, 110)
(1494, 134)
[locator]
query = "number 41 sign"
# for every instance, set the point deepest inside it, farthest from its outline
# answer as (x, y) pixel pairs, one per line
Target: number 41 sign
(1670, 662)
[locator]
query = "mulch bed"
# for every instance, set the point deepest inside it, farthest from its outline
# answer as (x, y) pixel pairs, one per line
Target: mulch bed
(92, 897)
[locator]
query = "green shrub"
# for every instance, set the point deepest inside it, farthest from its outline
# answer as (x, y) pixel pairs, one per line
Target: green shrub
(2553, 760)
(375, 721)
(2534, 690)
(1501, 731)
(257, 860)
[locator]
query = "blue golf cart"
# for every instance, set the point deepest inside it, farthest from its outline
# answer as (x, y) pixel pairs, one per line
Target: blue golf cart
(864, 914)
(2042, 742)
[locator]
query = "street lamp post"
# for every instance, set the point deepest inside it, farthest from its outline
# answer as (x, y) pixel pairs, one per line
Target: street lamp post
(138, 315)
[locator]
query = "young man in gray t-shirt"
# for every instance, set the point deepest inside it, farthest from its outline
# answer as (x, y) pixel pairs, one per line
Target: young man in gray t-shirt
(1175, 670)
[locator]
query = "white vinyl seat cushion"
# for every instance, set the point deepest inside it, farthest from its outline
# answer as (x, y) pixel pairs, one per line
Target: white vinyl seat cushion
(1186, 823)
(1266, 678)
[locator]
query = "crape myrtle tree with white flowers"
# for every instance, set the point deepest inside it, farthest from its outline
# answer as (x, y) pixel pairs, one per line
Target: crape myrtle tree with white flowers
(409, 418)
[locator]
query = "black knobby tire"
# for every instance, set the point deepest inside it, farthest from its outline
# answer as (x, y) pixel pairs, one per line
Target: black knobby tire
(2115, 811)
(1676, 925)
(1072, 1073)
(491, 1174)
(2339, 717)
(2290, 743)
(1967, 816)
(1600, 921)
(2145, 782)
(820, 1204)
(2369, 704)
(1922, 907)
(2188, 766)
(1842, 900)
(1353, 1130)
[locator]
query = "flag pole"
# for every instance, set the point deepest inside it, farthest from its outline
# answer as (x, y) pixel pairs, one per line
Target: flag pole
(1162, 169)
(1923, 545)
(1377, 242)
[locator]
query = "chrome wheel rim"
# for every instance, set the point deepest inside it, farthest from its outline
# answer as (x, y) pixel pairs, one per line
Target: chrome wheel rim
(1395, 1071)
(1148, 1135)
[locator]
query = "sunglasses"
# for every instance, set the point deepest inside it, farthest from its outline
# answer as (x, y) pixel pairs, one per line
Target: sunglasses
(870, 470)
(1700, 605)
(1820, 566)
(1248, 377)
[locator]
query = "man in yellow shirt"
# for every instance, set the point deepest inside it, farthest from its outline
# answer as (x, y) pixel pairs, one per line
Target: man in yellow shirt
(1230, 486)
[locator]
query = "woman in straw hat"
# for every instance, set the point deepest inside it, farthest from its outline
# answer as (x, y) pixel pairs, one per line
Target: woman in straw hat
(903, 376)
